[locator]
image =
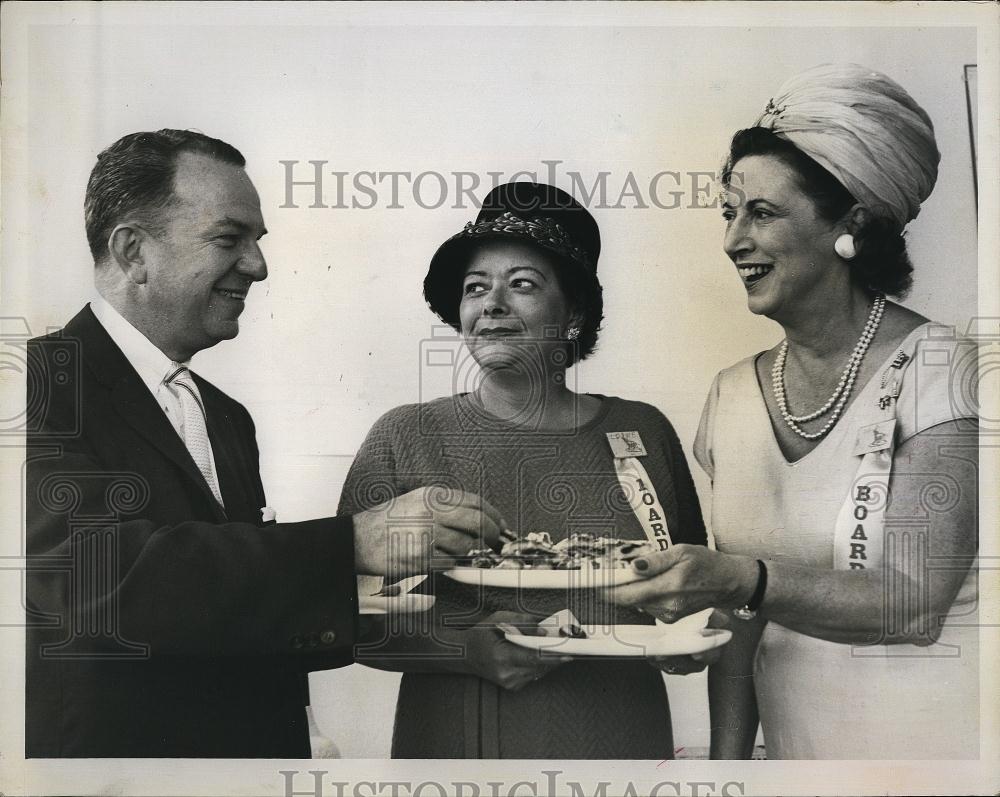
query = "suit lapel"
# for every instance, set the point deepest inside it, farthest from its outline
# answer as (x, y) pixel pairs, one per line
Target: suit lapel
(230, 461)
(132, 400)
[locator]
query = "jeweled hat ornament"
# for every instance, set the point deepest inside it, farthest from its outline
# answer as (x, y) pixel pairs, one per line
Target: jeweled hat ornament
(538, 214)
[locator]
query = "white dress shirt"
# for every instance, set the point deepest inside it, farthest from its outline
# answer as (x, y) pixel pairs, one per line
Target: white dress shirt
(152, 365)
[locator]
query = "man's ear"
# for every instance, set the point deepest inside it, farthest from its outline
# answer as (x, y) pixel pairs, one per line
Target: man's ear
(128, 246)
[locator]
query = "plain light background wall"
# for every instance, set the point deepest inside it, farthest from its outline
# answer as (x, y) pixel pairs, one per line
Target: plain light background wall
(333, 338)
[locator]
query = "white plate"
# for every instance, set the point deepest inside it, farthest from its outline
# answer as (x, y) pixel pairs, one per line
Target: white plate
(410, 603)
(629, 640)
(543, 579)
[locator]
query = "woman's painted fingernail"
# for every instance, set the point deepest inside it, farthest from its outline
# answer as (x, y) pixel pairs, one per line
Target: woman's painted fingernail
(640, 565)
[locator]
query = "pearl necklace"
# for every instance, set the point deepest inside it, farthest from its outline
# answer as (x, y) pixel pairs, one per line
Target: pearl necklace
(838, 400)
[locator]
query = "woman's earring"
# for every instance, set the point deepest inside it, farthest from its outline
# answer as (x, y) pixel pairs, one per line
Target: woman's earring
(844, 246)
(572, 333)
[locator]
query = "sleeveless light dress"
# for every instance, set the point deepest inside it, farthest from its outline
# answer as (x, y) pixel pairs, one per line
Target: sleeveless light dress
(819, 699)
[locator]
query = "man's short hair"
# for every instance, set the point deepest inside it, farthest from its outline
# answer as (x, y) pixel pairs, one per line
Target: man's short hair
(134, 177)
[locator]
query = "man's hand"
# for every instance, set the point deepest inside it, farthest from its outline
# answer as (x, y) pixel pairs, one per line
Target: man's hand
(423, 529)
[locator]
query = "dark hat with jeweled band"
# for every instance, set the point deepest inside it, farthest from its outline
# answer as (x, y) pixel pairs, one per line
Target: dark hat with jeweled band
(535, 213)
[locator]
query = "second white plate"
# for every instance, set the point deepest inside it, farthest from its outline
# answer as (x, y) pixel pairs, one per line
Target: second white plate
(542, 579)
(640, 641)
(410, 603)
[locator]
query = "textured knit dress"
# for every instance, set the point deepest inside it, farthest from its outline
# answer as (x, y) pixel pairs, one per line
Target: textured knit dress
(819, 699)
(554, 482)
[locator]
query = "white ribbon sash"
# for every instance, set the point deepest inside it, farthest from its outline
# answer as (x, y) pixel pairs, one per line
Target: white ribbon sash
(626, 448)
(858, 540)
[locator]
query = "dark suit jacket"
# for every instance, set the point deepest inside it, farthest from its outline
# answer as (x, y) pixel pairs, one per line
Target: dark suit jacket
(161, 625)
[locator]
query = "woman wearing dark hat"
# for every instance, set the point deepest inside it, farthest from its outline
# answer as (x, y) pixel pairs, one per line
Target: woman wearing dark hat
(855, 622)
(520, 285)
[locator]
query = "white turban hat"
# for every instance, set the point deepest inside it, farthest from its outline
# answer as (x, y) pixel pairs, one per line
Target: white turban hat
(865, 130)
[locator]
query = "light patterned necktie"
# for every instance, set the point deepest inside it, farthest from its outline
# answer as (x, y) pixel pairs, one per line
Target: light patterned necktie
(195, 429)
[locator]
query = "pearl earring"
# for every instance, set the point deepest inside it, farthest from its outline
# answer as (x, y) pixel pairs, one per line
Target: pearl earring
(844, 246)
(572, 333)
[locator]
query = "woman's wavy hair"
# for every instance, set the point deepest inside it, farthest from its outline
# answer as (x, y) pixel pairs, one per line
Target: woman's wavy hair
(882, 264)
(586, 295)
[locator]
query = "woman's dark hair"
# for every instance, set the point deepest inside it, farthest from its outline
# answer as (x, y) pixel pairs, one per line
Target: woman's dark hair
(586, 296)
(135, 177)
(882, 264)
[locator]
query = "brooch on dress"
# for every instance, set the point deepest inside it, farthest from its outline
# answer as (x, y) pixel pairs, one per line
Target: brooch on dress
(890, 390)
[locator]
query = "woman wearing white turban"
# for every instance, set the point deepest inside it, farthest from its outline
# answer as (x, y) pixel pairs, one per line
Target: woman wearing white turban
(854, 616)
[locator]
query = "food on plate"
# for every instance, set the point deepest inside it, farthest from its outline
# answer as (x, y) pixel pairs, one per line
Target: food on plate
(580, 550)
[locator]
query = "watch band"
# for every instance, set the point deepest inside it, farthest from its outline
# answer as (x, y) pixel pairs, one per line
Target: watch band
(749, 611)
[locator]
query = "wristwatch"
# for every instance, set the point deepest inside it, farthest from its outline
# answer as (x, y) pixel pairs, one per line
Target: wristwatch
(749, 610)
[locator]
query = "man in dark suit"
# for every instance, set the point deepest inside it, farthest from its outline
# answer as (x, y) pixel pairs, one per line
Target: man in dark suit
(168, 614)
